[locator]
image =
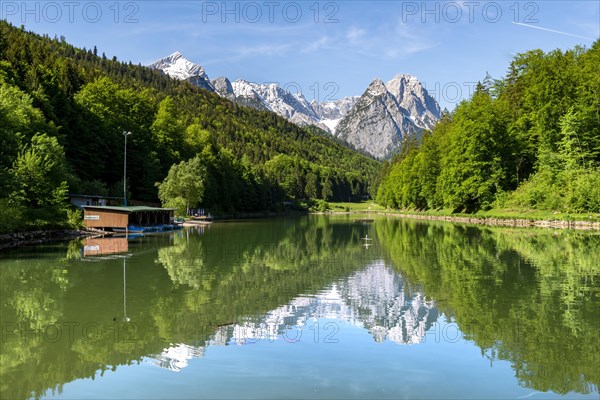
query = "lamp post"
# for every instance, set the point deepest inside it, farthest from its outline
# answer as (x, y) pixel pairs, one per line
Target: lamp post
(125, 133)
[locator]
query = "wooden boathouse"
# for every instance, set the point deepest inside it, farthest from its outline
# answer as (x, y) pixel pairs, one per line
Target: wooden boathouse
(108, 217)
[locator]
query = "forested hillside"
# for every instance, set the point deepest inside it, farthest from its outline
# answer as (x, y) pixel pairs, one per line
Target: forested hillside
(63, 111)
(528, 141)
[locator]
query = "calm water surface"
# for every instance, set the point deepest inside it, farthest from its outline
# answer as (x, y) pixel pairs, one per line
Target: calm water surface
(314, 307)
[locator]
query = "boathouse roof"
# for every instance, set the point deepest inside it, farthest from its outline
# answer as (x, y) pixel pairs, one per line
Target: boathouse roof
(129, 209)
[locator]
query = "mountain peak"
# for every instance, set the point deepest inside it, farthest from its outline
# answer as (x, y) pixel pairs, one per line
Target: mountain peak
(376, 88)
(177, 66)
(402, 83)
(406, 77)
(388, 113)
(223, 87)
(376, 82)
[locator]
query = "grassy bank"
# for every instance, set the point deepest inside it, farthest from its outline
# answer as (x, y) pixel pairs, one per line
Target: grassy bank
(363, 206)
(531, 215)
(491, 217)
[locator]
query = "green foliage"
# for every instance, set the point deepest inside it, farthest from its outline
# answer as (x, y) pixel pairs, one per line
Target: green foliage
(86, 102)
(96, 187)
(19, 120)
(196, 138)
(183, 188)
(40, 181)
(33, 167)
(39, 170)
(530, 140)
(11, 216)
(322, 206)
(475, 165)
(108, 110)
(167, 130)
(75, 218)
(573, 190)
(567, 180)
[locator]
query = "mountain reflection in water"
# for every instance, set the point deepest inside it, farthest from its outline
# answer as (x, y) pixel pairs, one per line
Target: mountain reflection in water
(372, 298)
(525, 299)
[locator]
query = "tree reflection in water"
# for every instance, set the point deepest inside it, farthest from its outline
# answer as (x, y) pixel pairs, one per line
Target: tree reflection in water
(526, 296)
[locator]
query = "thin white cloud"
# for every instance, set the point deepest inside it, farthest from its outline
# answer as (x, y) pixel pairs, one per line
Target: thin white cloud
(240, 53)
(316, 45)
(407, 50)
(553, 31)
(407, 39)
(395, 39)
(263, 50)
(355, 34)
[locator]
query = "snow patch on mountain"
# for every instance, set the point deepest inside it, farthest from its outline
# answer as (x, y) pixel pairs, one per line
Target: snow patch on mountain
(179, 67)
(331, 124)
(378, 121)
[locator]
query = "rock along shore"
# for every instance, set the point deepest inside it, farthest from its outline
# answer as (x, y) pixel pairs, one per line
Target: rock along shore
(512, 222)
(18, 239)
(525, 223)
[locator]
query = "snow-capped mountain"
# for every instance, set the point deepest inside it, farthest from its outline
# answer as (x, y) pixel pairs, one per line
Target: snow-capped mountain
(269, 97)
(377, 122)
(388, 113)
(179, 67)
(330, 113)
(294, 107)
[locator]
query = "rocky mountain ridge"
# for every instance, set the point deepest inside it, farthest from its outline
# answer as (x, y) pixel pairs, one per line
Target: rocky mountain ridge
(377, 122)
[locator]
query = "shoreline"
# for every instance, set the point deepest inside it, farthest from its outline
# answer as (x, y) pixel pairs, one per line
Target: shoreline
(246, 216)
(29, 238)
(489, 221)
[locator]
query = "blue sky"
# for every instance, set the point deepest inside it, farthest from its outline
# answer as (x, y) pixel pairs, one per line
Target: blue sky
(326, 49)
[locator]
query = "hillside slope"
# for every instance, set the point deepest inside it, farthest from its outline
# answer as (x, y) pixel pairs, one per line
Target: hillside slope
(85, 101)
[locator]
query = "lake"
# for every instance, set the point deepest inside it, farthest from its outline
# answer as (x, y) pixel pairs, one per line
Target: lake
(310, 307)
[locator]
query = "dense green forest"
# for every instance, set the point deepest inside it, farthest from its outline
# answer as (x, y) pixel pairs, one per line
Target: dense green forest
(528, 141)
(63, 111)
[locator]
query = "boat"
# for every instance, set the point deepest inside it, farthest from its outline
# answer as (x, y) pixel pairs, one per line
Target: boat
(197, 222)
(129, 236)
(129, 229)
(363, 220)
(204, 218)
